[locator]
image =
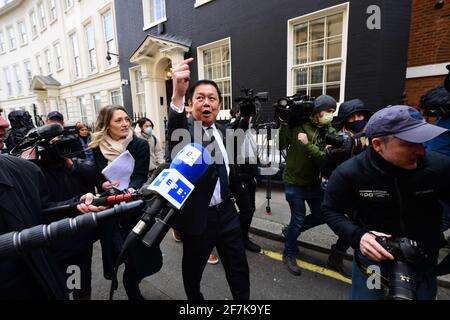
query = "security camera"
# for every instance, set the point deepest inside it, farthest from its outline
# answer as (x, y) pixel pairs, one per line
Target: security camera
(439, 4)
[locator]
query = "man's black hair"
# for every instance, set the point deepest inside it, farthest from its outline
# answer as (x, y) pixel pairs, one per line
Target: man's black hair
(200, 82)
(435, 99)
(142, 121)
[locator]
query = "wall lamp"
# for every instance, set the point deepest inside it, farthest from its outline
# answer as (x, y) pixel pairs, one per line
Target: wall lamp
(439, 4)
(108, 55)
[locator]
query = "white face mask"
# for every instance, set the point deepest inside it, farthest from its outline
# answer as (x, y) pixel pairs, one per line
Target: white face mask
(326, 118)
(148, 131)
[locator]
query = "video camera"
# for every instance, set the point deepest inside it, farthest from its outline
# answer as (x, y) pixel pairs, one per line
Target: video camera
(250, 103)
(49, 143)
(294, 109)
(407, 255)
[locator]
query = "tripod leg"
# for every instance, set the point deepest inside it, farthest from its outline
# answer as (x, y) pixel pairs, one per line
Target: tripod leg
(268, 196)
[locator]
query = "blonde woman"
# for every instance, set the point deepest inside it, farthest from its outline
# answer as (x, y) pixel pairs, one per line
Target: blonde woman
(114, 136)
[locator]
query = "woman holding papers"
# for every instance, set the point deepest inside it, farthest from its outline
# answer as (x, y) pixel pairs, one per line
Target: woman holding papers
(113, 137)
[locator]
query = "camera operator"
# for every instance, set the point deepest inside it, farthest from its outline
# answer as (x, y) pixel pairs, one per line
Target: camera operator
(392, 190)
(68, 177)
(34, 275)
(21, 123)
(436, 102)
(245, 175)
(301, 175)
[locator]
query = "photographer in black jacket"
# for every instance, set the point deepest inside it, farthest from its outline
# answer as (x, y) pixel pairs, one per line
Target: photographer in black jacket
(393, 190)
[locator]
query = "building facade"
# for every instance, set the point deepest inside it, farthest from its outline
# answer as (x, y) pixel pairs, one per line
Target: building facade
(53, 57)
(429, 48)
(348, 49)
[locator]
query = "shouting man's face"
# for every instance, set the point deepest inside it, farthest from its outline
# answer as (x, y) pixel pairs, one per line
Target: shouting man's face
(205, 104)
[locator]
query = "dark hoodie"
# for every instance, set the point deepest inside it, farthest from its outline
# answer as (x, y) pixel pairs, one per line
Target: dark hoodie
(21, 123)
(346, 109)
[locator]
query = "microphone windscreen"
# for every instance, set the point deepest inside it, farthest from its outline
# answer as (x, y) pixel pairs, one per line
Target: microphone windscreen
(50, 131)
(192, 162)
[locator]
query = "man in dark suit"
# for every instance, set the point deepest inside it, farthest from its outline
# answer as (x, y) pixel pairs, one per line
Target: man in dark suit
(209, 218)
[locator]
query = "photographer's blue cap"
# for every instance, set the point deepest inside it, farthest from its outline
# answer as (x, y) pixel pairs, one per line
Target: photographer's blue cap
(402, 122)
(55, 114)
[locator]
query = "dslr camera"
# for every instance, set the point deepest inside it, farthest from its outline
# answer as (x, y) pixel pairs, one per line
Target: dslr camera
(250, 103)
(407, 256)
(294, 109)
(339, 142)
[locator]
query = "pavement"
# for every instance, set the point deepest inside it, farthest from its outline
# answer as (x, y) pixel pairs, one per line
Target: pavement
(320, 238)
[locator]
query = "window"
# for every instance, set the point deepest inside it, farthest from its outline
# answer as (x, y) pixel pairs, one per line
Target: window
(69, 4)
(29, 72)
(154, 12)
(76, 56)
(116, 97)
(2, 42)
(39, 64)
(140, 93)
(18, 80)
(22, 32)
(11, 37)
(33, 22)
(97, 102)
(8, 81)
(89, 31)
(48, 60)
(316, 56)
(58, 55)
(157, 10)
(215, 64)
(109, 36)
(52, 5)
(42, 20)
(83, 113)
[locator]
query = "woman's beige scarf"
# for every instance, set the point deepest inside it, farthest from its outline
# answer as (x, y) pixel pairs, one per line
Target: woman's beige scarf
(111, 148)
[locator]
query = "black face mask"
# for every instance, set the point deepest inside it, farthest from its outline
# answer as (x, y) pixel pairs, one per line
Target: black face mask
(356, 126)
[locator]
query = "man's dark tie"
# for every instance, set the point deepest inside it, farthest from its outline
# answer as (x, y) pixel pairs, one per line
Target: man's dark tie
(222, 170)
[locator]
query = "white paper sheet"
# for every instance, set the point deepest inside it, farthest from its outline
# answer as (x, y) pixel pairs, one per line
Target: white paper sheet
(120, 169)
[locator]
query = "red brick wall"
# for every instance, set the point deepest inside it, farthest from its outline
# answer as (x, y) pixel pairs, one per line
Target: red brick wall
(429, 38)
(429, 43)
(416, 87)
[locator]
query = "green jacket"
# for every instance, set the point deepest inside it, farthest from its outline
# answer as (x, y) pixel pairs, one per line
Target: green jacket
(303, 161)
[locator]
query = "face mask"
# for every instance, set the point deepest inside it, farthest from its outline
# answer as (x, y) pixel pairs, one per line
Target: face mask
(148, 131)
(326, 119)
(356, 126)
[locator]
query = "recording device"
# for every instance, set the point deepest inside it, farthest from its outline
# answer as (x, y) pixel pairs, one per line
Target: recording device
(407, 255)
(294, 109)
(340, 142)
(52, 142)
(250, 103)
(15, 243)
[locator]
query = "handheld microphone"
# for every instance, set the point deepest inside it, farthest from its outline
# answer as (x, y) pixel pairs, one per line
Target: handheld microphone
(173, 187)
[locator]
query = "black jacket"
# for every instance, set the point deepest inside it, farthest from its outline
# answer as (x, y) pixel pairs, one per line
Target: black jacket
(193, 217)
(23, 193)
(380, 197)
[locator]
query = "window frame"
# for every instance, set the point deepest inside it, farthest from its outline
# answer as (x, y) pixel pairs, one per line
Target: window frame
(119, 90)
(8, 82)
(34, 24)
(29, 75)
(51, 7)
(114, 60)
(42, 17)
(76, 59)
(149, 20)
(2, 42)
(19, 84)
(59, 63)
(291, 67)
(48, 60)
(93, 50)
(201, 74)
(94, 107)
(23, 39)
(13, 39)
(40, 69)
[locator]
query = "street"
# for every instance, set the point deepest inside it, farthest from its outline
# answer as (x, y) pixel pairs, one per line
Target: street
(269, 278)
